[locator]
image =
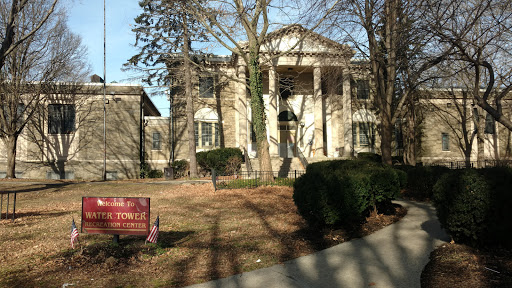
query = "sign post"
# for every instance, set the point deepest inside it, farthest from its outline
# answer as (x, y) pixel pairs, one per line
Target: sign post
(115, 215)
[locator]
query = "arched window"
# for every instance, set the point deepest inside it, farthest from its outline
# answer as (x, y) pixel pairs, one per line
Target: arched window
(287, 116)
(206, 127)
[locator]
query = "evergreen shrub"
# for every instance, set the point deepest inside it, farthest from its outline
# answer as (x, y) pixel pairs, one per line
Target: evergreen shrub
(463, 201)
(368, 156)
(221, 160)
(421, 180)
(180, 168)
(343, 192)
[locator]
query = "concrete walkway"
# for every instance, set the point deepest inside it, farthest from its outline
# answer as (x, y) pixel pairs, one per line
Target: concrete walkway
(391, 257)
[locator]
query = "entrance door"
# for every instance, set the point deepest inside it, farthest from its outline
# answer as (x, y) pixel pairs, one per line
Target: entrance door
(287, 147)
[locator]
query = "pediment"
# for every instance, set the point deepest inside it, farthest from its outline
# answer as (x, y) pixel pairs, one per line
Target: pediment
(297, 39)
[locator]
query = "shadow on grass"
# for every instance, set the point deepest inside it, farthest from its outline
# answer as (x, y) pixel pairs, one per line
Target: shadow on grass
(93, 253)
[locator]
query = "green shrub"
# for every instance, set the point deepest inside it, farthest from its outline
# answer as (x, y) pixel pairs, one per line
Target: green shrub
(462, 200)
(499, 226)
(369, 157)
(343, 192)
(225, 161)
(180, 168)
(402, 178)
(155, 174)
(421, 180)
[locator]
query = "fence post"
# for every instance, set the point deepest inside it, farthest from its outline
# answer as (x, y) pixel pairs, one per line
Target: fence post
(214, 179)
(14, 208)
(1, 204)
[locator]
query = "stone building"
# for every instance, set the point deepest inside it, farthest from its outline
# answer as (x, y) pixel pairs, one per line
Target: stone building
(319, 106)
(64, 140)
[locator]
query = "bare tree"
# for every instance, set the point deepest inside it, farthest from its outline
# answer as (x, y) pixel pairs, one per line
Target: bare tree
(480, 31)
(242, 27)
(39, 50)
(396, 42)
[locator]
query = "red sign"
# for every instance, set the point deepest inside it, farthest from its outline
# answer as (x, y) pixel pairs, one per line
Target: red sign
(121, 216)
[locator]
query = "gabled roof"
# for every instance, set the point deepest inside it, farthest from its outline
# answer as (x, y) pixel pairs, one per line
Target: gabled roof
(286, 38)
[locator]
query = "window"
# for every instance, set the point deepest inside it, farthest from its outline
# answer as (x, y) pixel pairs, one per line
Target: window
(490, 126)
(61, 118)
(363, 134)
(157, 143)
(445, 141)
(207, 134)
(196, 132)
(363, 89)
(206, 87)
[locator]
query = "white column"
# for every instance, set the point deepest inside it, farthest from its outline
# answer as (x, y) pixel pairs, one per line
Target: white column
(318, 112)
(272, 112)
(241, 109)
(347, 115)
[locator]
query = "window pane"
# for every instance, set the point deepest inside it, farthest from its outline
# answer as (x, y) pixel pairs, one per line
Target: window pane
(363, 89)
(489, 124)
(354, 134)
(206, 87)
(61, 118)
(196, 132)
(156, 141)
(206, 134)
(217, 135)
(445, 142)
(363, 134)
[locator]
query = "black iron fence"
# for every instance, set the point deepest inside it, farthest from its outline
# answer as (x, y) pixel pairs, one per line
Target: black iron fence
(246, 179)
(472, 164)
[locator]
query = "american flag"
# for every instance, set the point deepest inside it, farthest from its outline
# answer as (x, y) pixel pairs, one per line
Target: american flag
(153, 234)
(74, 234)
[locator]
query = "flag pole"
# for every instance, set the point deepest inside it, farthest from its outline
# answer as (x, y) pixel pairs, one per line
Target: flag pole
(104, 176)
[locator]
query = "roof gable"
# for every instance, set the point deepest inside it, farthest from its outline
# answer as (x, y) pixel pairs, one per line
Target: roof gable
(286, 38)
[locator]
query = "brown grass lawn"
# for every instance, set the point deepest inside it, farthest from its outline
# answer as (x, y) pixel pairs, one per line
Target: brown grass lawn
(204, 235)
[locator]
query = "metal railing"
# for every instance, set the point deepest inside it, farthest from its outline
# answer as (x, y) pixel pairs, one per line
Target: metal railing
(255, 179)
(472, 164)
(302, 159)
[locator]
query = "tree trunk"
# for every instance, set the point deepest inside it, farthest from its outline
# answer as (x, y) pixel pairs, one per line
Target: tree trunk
(386, 140)
(258, 113)
(190, 104)
(10, 142)
(410, 149)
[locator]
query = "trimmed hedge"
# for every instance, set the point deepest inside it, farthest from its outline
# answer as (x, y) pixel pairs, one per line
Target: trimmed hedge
(221, 160)
(180, 168)
(474, 205)
(421, 179)
(343, 192)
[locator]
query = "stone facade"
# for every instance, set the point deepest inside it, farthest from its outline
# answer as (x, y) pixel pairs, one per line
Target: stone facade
(45, 151)
(319, 104)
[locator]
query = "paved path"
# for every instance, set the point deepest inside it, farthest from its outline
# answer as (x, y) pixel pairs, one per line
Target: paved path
(391, 257)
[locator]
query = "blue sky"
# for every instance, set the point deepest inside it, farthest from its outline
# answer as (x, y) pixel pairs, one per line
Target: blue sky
(86, 19)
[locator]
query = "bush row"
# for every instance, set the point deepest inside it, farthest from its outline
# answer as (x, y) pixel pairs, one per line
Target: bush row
(225, 161)
(419, 180)
(473, 205)
(344, 192)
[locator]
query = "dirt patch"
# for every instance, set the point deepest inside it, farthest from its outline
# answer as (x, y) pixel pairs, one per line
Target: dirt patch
(204, 235)
(455, 265)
